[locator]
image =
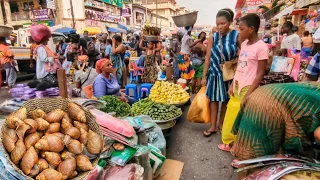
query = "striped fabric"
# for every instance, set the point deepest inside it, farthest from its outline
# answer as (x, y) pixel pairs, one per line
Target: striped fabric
(277, 118)
(216, 87)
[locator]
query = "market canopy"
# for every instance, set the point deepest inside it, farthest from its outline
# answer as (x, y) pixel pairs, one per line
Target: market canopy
(284, 12)
(91, 30)
(123, 27)
(116, 30)
(65, 30)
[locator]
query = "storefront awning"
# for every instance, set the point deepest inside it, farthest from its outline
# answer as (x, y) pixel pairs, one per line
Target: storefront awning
(284, 12)
(116, 30)
(300, 11)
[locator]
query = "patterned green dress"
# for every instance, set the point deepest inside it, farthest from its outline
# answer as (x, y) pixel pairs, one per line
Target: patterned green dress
(277, 118)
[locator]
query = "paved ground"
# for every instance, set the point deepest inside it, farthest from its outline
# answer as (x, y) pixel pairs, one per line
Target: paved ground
(202, 159)
(201, 156)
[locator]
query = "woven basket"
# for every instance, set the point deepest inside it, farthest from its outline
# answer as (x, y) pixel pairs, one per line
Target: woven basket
(47, 105)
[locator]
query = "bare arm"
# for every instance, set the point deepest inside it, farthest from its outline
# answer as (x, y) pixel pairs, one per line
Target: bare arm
(193, 43)
(159, 47)
(117, 50)
(141, 45)
(207, 58)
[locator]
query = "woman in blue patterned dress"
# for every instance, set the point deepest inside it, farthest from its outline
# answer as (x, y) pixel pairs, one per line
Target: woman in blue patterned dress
(212, 74)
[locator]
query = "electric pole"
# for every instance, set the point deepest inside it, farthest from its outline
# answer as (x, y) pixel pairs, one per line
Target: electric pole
(156, 12)
(72, 15)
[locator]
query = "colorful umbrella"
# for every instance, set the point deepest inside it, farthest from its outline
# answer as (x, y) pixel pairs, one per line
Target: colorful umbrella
(91, 30)
(65, 30)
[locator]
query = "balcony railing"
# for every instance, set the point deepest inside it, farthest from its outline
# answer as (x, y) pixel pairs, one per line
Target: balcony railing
(20, 16)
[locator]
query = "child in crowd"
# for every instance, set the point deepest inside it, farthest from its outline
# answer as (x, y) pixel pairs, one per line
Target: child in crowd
(150, 65)
(7, 62)
(250, 71)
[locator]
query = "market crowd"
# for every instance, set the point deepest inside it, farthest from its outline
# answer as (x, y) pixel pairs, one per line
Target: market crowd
(255, 120)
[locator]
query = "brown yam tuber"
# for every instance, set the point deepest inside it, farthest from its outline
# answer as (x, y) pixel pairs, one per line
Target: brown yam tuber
(50, 174)
(34, 171)
(43, 164)
(53, 128)
(73, 175)
(67, 117)
(33, 124)
(74, 146)
(31, 139)
(42, 124)
(80, 125)
(21, 113)
(67, 167)
(55, 116)
(58, 134)
(13, 121)
(72, 132)
(9, 139)
(50, 143)
(18, 152)
(38, 113)
(66, 155)
(65, 124)
(83, 136)
(95, 143)
(22, 129)
(29, 160)
(76, 112)
(52, 158)
(83, 163)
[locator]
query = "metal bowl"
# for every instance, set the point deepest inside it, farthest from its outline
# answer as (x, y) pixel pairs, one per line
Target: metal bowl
(5, 31)
(187, 19)
(151, 38)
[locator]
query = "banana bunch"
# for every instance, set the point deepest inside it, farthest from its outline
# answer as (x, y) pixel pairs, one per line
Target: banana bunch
(151, 30)
(168, 93)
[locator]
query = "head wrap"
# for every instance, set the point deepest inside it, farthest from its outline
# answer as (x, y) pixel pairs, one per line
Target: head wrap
(40, 32)
(100, 64)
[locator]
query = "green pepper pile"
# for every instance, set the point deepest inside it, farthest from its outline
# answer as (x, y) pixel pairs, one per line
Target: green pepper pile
(155, 110)
(114, 104)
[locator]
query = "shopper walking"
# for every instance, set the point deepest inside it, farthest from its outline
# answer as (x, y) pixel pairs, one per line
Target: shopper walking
(222, 46)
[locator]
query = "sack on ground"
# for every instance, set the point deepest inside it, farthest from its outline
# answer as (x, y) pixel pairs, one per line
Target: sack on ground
(199, 111)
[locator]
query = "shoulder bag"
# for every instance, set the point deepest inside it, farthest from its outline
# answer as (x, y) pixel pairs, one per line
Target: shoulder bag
(228, 68)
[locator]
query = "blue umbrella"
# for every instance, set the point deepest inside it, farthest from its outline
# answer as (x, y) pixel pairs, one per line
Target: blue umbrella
(65, 30)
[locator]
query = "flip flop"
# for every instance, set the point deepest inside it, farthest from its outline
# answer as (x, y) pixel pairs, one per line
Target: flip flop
(208, 133)
(224, 147)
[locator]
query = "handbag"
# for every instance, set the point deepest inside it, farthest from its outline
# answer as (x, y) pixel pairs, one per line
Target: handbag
(228, 68)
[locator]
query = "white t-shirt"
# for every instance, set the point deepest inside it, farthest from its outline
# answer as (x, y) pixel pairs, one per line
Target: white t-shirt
(292, 41)
(185, 49)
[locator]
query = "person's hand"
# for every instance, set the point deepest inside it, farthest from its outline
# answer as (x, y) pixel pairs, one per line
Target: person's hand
(113, 40)
(123, 99)
(204, 81)
(243, 101)
(230, 91)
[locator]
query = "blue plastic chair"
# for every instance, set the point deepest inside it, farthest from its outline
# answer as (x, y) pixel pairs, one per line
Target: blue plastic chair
(144, 86)
(134, 88)
(142, 92)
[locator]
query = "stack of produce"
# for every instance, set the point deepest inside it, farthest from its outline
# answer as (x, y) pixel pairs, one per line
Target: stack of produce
(151, 31)
(114, 104)
(168, 93)
(54, 145)
(156, 111)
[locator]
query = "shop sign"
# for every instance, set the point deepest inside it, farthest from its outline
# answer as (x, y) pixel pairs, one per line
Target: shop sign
(126, 12)
(92, 22)
(254, 2)
(42, 14)
(47, 23)
(118, 3)
(51, 4)
(101, 16)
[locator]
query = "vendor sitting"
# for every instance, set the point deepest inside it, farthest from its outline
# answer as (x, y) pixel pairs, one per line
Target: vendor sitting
(106, 83)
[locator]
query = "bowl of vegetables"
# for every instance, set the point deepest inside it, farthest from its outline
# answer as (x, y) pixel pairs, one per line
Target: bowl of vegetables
(151, 33)
(112, 104)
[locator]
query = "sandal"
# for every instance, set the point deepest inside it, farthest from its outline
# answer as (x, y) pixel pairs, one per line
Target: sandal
(224, 147)
(208, 133)
(235, 164)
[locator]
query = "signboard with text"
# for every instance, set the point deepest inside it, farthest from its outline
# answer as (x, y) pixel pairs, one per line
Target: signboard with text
(118, 3)
(254, 2)
(42, 14)
(51, 4)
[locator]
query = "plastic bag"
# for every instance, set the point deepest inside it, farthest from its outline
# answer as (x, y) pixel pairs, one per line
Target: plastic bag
(157, 139)
(199, 111)
(128, 172)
